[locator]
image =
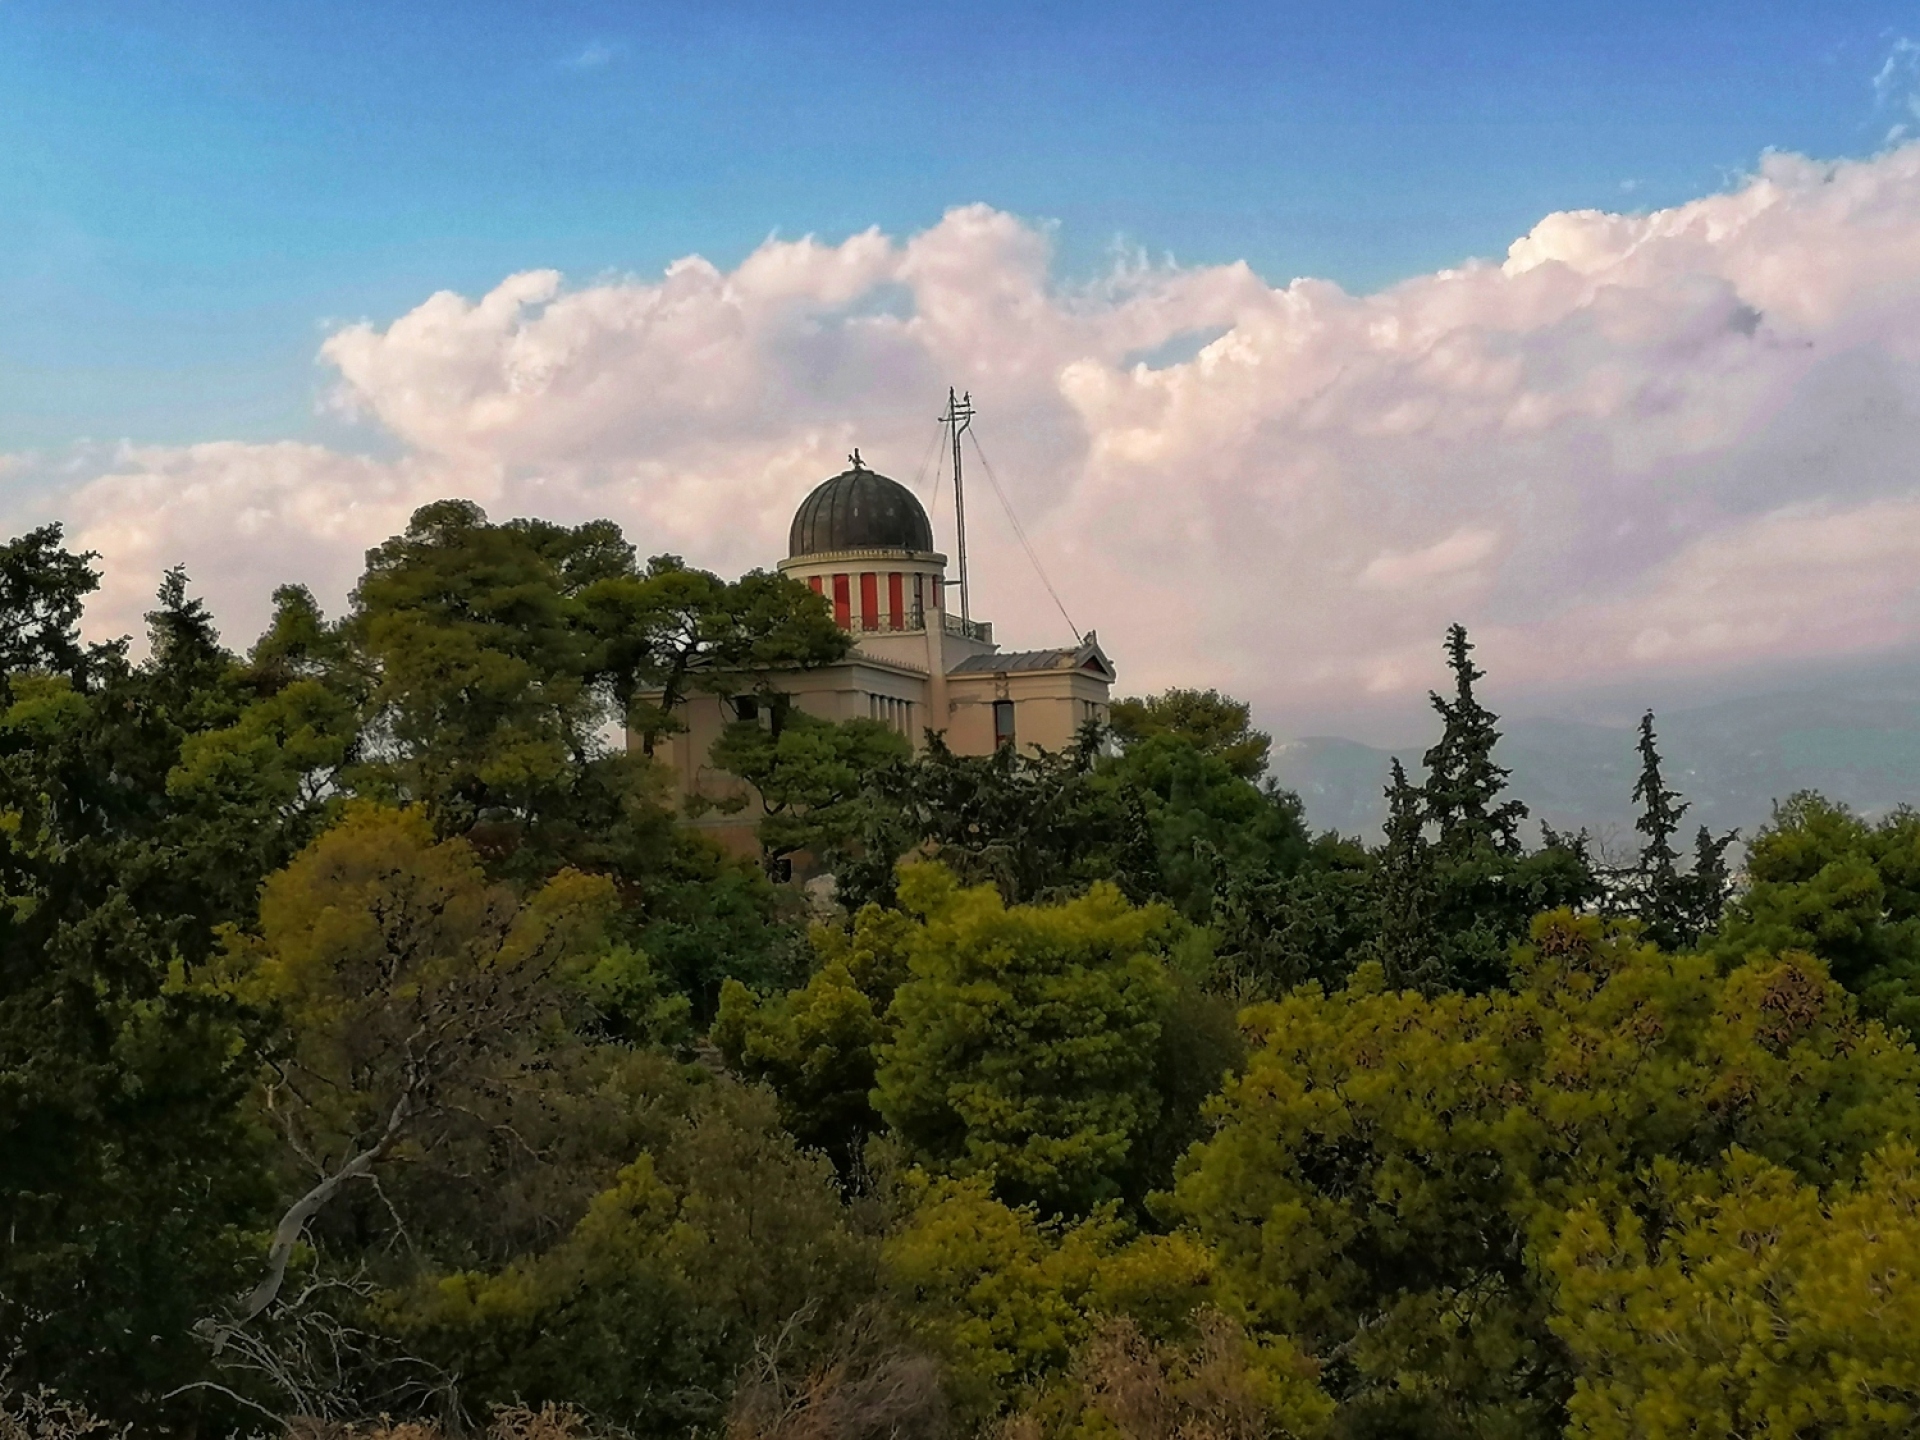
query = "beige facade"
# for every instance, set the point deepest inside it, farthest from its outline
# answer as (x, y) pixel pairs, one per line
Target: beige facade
(864, 544)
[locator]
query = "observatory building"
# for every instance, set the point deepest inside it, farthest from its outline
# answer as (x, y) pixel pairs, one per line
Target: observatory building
(864, 543)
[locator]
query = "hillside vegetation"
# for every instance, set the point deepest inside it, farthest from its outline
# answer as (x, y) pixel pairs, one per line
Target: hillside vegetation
(380, 1057)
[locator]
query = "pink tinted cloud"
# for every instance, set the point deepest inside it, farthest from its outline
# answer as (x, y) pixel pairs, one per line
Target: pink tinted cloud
(1640, 441)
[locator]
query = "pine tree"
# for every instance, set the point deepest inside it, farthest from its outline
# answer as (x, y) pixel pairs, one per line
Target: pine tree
(1464, 785)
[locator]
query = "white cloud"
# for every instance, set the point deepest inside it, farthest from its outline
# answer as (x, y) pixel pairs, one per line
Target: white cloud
(594, 55)
(1679, 439)
(1454, 555)
(245, 518)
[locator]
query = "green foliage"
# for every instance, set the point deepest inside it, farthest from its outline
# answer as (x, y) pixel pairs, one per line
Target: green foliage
(670, 631)
(1675, 907)
(1274, 931)
(1821, 878)
(1159, 821)
(1390, 1167)
(703, 916)
(721, 1232)
(1456, 887)
(1025, 1039)
(130, 1177)
(810, 776)
(1203, 817)
(1464, 785)
(818, 1046)
(1753, 1305)
(1036, 824)
(1006, 1295)
(352, 998)
(488, 663)
(42, 590)
(1214, 724)
(1408, 945)
(425, 1011)
(482, 673)
(633, 1003)
(1439, 904)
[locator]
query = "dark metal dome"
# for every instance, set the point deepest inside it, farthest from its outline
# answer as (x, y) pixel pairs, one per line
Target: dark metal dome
(859, 509)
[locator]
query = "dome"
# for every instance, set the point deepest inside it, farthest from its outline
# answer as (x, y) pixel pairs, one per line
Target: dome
(859, 509)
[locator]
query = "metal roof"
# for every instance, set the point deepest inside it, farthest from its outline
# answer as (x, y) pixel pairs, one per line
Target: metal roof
(1087, 653)
(859, 509)
(1016, 660)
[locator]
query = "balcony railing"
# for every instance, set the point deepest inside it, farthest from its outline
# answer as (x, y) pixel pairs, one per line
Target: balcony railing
(907, 624)
(915, 622)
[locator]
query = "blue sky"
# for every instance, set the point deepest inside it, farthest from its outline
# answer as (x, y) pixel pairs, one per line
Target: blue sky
(192, 194)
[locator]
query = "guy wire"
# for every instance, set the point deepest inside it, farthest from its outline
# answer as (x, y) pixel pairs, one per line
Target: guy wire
(1020, 533)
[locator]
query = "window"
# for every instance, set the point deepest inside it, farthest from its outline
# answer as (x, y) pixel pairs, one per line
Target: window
(896, 601)
(1003, 722)
(842, 606)
(869, 600)
(746, 707)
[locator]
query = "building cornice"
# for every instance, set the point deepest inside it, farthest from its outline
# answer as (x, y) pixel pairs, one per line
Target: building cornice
(833, 557)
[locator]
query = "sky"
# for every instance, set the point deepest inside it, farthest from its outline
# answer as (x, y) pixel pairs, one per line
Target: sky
(1298, 331)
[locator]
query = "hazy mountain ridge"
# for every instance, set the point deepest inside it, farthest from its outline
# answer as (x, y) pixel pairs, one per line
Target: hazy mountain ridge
(1858, 743)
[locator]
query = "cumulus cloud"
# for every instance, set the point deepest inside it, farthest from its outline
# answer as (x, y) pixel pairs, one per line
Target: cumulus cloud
(1684, 439)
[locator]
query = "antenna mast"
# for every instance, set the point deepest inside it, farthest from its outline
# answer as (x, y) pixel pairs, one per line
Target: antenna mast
(958, 417)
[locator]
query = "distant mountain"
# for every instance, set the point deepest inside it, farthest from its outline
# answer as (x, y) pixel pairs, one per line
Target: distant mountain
(1856, 742)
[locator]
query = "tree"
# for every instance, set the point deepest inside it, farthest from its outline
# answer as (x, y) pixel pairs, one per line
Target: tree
(493, 680)
(129, 1174)
(1390, 1169)
(1462, 874)
(408, 985)
(1219, 1383)
(1274, 931)
(1006, 1295)
(1201, 816)
(1024, 1041)
(1463, 785)
(42, 590)
(1161, 821)
(1408, 900)
(1750, 1303)
(810, 776)
(675, 631)
(1213, 723)
(1676, 907)
(719, 1235)
(1821, 878)
(818, 1046)
(482, 698)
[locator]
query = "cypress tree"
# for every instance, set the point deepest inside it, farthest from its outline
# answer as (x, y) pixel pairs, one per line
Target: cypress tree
(1655, 895)
(1676, 908)
(1710, 886)
(1464, 785)
(1407, 896)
